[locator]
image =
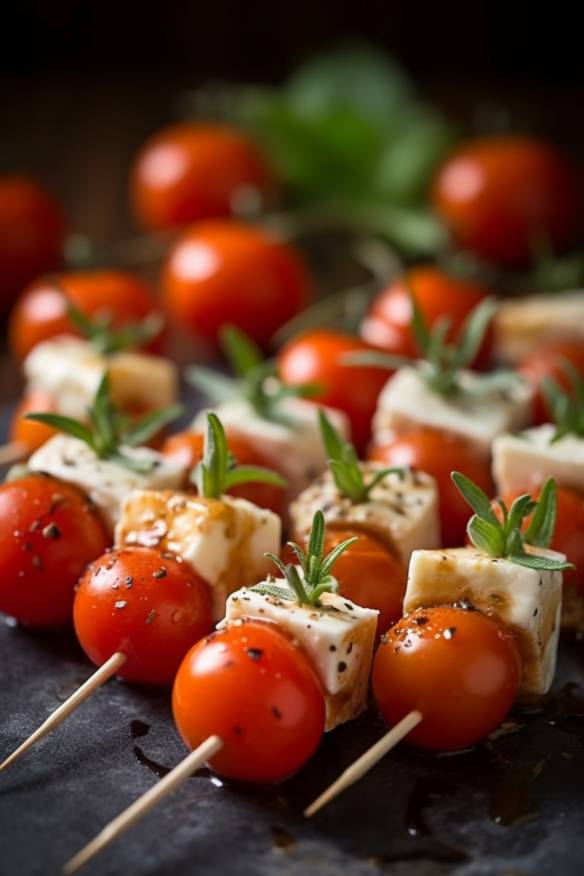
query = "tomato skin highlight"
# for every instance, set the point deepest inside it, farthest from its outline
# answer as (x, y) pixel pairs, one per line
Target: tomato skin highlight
(463, 683)
(190, 172)
(549, 362)
(439, 454)
(48, 534)
(186, 449)
(318, 357)
(41, 311)
(144, 603)
(499, 194)
(257, 691)
(222, 272)
(387, 324)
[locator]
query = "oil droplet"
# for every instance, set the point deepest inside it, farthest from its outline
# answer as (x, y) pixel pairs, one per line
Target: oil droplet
(281, 839)
(138, 729)
(157, 768)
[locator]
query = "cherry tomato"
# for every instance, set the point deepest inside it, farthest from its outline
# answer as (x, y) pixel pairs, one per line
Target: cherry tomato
(146, 604)
(549, 361)
(438, 294)
(458, 667)
(27, 433)
(48, 533)
(32, 231)
(439, 454)
(186, 450)
(195, 171)
(41, 312)
(225, 272)
(499, 195)
(258, 692)
(317, 357)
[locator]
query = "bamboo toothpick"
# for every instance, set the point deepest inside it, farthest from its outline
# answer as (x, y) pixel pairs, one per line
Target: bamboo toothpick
(125, 820)
(361, 766)
(12, 452)
(105, 672)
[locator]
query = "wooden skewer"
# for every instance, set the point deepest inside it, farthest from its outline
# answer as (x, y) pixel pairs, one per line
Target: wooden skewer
(12, 452)
(125, 820)
(367, 760)
(105, 672)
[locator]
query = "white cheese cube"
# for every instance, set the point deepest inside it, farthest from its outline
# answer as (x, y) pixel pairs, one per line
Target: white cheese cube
(223, 540)
(406, 402)
(523, 325)
(296, 451)
(527, 601)
(70, 370)
(525, 461)
(337, 636)
(401, 512)
(105, 481)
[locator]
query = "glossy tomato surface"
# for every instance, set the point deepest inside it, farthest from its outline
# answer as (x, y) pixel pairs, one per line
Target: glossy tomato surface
(48, 534)
(550, 362)
(28, 434)
(41, 311)
(144, 603)
(186, 450)
(439, 454)
(194, 171)
(257, 691)
(226, 272)
(501, 195)
(318, 357)
(458, 667)
(32, 231)
(438, 294)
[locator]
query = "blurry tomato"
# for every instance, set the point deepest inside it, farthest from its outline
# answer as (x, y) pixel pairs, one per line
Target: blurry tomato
(500, 195)
(32, 231)
(318, 357)
(438, 294)
(440, 454)
(41, 312)
(549, 362)
(226, 272)
(27, 433)
(186, 450)
(195, 171)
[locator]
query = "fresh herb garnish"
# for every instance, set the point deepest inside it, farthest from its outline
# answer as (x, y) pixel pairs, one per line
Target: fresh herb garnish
(566, 407)
(107, 340)
(218, 470)
(316, 568)
(255, 379)
(343, 463)
(109, 429)
(506, 538)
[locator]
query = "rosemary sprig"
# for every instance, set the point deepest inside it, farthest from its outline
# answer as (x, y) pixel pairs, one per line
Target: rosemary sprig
(218, 470)
(107, 340)
(566, 407)
(344, 466)
(109, 429)
(316, 568)
(506, 538)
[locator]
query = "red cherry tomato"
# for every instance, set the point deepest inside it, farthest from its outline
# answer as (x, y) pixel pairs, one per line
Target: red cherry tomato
(32, 231)
(225, 272)
(458, 667)
(317, 357)
(499, 195)
(48, 534)
(195, 171)
(186, 450)
(41, 312)
(546, 362)
(439, 454)
(257, 691)
(437, 294)
(146, 604)
(27, 433)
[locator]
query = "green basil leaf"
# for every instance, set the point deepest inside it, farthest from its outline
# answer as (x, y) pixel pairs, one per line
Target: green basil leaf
(241, 352)
(520, 509)
(335, 553)
(245, 474)
(64, 424)
(541, 528)
(543, 564)
(486, 536)
(212, 384)
(150, 424)
(473, 332)
(475, 497)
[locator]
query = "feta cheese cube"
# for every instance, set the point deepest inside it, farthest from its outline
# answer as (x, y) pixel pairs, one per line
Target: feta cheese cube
(406, 403)
(523, 325)
(337, 636)
(105, 481)
(70, 370)
(223, 540)
(528, 601)
(525, 461)
(296, 451)
(402, 512)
